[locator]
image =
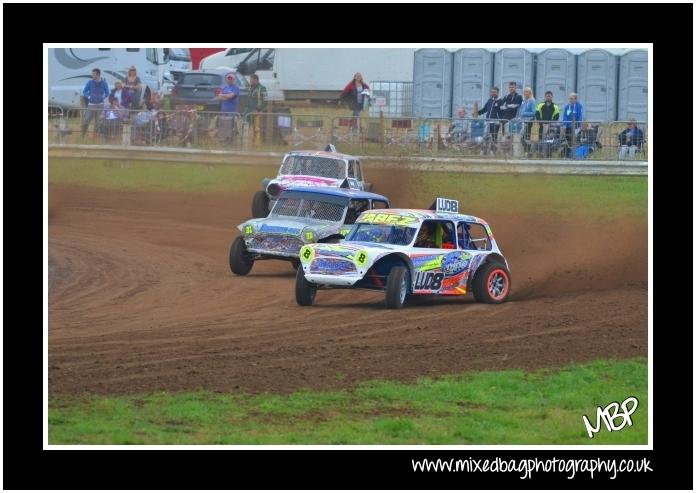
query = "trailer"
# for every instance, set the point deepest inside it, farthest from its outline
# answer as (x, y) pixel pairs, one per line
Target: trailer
(70, 68)
(315, 73)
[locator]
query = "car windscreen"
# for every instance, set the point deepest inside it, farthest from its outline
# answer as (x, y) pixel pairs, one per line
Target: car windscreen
(201, 79)
(313, 166)
(179, 54)
(310, 206)
(382, 233)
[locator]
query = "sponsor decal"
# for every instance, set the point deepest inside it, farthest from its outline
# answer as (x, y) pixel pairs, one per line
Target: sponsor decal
(455, 263)
(429, 281)
(427, 262)
(329, 265)
(248, 229)
(267, 228)
(384, 218)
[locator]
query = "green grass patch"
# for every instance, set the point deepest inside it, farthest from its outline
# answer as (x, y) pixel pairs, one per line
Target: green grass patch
(495, 407)
(593, 196)
(117, 174)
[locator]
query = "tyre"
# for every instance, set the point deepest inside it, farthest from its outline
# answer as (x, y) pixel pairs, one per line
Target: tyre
(305, 292)
(295, 263)
(397, 287)
(259, 204)
(240, 259)
(492, 283)
(367, 186)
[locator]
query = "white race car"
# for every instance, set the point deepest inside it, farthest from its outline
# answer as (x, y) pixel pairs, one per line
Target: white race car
(406, 252)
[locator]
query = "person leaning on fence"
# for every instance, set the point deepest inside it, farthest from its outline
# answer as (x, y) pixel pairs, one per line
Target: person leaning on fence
(573, 115)
(354, 95)
(96, 90)
(491, 111)
(256, 103)
(527, 113)
(229, 103)
(631, 139)
(546, 111)
(511, 104)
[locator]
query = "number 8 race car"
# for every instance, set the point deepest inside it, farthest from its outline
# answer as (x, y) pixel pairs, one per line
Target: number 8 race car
(406, 252)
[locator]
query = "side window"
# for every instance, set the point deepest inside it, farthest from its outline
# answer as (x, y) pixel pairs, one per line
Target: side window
(151, 54)
(358, 171)
(267, 59)
(473, 236)
(355, 208)
(436, 234)
(351, 169)
(379, 204)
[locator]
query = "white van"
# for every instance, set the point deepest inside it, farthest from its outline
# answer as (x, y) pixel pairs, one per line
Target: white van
(70, 68)
(228, 59)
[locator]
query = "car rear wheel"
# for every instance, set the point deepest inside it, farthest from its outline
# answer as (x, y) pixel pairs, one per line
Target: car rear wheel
(397, 287)
(259, 204)
(305, 291)
(492, 283)
(240, 259)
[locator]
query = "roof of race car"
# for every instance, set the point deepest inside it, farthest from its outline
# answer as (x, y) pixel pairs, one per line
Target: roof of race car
(422, 214)
(335, 155)
(340, 192)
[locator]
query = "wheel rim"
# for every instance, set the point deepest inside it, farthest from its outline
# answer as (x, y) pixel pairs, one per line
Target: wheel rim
(402, 291)
(498, 284)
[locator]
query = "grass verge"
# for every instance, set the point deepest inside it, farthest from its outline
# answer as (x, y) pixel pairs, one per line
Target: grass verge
(493, 407)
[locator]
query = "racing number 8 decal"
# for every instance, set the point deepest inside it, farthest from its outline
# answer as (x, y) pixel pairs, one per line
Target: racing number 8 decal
(306, 254)
(361, 258)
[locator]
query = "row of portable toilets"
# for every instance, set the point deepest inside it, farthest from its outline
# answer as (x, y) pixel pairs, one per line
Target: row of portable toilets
(610, 87)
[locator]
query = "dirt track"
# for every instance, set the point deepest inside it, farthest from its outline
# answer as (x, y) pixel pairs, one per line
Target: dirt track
(141, 299)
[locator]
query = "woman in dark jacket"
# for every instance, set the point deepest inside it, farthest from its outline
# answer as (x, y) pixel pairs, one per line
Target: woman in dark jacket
(353, 93)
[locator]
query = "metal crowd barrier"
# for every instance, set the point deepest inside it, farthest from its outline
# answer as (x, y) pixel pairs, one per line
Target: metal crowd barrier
(404, 136)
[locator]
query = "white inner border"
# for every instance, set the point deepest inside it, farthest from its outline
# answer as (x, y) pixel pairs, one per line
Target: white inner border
(649, 446)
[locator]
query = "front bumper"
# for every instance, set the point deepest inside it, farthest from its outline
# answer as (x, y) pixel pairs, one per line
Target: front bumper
(328, 279)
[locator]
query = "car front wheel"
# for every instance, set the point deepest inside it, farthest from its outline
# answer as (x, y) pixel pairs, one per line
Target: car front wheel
(397, 287)
(240, 259)
(259, 204)
(305, 291)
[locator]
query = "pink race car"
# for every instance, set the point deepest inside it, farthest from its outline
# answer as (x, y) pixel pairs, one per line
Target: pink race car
(326, 168)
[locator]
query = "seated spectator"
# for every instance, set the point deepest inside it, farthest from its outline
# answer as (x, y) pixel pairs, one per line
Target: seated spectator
(630, 140)
(459, 129)
(586, 140)
(112, 119)
(550, 141)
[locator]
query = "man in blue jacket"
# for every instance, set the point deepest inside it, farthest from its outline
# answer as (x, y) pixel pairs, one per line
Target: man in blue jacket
(573, 115)
(96, 91)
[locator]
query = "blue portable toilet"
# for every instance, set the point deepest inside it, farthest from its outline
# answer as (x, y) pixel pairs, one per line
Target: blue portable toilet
(513, 64)
(633, 86)
(472, 78)
(432, 83)
(596, 85)
(555, 72)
